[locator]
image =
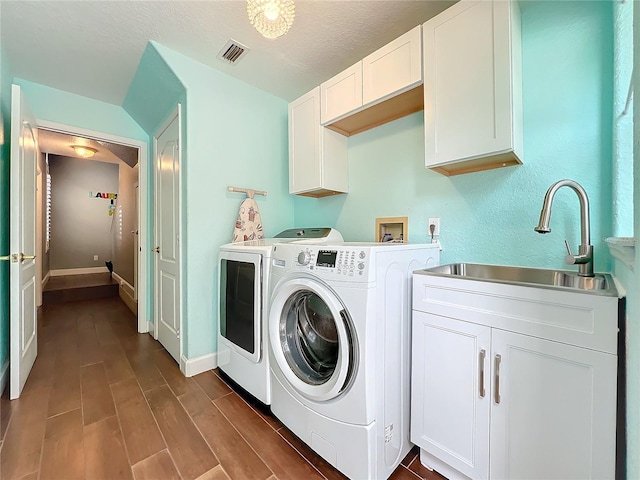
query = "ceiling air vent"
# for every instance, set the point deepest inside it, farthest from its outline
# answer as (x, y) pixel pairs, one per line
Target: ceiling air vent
(232, 52)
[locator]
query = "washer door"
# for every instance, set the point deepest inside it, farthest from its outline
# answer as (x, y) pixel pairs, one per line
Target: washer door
(313, 339)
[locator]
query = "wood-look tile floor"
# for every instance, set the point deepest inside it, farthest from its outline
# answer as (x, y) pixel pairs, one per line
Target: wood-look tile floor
(104, 402)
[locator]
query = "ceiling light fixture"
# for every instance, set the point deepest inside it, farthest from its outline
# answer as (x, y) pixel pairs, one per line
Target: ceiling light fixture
(84, 152)
(272, 18)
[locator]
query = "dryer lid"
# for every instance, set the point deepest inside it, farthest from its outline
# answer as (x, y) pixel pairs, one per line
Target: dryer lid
(325, 233)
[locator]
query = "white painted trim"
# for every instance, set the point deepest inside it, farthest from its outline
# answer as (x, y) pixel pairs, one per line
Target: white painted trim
(121, 281)
(77, 271)
(4, 376)
(46, 278)
(143, 225)
(194, 366)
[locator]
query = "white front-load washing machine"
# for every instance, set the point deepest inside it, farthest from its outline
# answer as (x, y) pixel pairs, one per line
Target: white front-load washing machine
(243, 302)
(339, 333)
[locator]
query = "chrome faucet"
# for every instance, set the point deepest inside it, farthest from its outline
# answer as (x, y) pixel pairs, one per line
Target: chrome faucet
(584, 259)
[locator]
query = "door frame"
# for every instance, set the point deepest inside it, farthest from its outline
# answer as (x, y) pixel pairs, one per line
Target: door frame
(175, 112)
(143, 149)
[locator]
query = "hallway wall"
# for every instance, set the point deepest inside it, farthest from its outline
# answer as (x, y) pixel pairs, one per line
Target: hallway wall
(81, 224)
(124, 223)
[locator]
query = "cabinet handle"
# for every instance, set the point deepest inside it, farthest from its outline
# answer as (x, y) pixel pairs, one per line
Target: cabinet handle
(496, 369)
(483, 354)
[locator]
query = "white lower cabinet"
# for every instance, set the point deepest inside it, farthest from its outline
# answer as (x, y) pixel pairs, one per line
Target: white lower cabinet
(490, 403)
(553, 409)
(450, 395)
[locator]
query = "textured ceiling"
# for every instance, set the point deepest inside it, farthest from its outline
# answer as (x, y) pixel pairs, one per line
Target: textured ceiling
(92, 48)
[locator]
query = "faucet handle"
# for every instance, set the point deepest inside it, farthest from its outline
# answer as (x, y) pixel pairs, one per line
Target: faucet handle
(566, 244)
(570, 259)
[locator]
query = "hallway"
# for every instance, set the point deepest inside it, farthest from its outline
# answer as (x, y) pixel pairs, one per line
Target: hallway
(103, 402)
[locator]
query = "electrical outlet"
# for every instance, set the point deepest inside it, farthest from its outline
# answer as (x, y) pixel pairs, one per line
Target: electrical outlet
(95, 258)
(436, 222)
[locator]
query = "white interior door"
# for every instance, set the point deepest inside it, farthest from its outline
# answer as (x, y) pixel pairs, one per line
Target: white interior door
(23, 318)
(167, 244)
(136, 244)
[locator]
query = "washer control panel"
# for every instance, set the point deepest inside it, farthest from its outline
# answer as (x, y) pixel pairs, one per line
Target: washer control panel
(342, 262)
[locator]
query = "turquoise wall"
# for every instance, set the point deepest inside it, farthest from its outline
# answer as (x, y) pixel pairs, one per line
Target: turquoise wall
(152, 96)
(154, 91)
(489, 216)
(5, 118)
(55, 105)
(627, 211)
(237, 135)
(629, 276)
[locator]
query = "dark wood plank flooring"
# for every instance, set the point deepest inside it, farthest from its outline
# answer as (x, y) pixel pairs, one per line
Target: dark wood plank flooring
(71, 288)
(103, 402)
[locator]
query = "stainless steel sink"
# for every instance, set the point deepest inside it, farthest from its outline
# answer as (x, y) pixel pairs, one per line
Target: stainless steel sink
(599, 284)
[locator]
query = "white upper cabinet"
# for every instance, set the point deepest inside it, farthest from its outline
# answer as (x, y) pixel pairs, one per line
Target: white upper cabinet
(394, 68)
(317, 156)
(473, 87)
(377, 89)
(341, 94)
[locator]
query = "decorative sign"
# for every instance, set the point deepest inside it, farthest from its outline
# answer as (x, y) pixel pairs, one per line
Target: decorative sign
(107, 196)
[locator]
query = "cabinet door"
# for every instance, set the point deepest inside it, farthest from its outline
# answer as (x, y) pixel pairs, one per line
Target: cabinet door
(450, 390)
(341, 94)
(394, 68)
(468, 88)
(305, 171)
(553, 413)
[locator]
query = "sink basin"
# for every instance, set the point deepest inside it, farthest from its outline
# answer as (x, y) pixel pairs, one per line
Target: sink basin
(599, 284)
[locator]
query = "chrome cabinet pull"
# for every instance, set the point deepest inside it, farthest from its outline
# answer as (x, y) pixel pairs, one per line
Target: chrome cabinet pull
(496, 369)
(483, 354)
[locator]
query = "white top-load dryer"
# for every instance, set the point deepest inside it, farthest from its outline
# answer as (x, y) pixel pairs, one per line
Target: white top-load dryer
(243, 302)
(339, 333)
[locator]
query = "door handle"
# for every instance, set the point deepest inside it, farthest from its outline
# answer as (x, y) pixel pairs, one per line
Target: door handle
(496, 369)
(157, 249)
(15, 258)
(483, 354)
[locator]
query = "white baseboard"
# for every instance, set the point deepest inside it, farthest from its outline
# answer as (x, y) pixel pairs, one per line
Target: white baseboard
(46, 278)
(126, 285)
(4, 376)
(194, 366)
(78, 271)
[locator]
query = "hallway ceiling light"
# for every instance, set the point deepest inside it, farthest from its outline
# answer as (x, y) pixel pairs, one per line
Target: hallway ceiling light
(84, 152)
(272, 18)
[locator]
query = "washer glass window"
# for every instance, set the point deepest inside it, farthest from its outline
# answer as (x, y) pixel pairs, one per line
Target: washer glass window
(309, 337)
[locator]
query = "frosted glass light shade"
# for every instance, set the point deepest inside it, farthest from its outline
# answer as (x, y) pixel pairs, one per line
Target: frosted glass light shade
(272, 18)
(84, 152)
